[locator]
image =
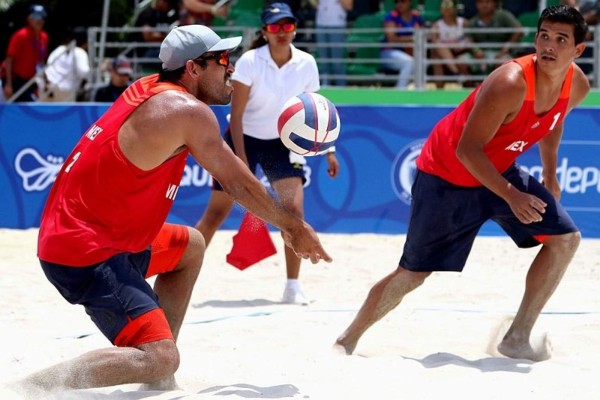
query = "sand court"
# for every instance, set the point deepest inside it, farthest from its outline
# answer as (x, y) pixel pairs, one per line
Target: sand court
(239, 342)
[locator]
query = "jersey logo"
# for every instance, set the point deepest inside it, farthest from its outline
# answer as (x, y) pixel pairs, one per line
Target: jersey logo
(519, 146)
(172, 191)
(94, 131)
(537, 123)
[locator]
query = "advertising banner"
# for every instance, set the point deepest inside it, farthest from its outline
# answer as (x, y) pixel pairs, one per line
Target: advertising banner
(376, 149)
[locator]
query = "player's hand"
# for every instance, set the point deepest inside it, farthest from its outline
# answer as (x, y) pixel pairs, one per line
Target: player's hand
(306, 244)
(527, 207)
(553, 186)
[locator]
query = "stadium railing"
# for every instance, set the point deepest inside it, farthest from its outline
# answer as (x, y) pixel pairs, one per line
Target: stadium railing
(362, 45)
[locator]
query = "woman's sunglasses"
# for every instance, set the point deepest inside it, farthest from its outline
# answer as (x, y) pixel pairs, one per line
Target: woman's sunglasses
(275, 28)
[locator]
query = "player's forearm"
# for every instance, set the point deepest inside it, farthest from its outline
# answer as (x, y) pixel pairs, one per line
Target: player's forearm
(480, 166)
(253, 196)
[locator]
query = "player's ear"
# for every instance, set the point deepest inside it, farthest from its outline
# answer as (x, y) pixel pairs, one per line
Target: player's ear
(579, 49)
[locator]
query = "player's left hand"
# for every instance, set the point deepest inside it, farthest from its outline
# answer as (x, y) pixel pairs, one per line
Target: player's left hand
(553, 186)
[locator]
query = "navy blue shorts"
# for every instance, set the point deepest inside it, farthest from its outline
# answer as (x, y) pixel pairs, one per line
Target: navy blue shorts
(112, 292)
(446, 218)
(273, 157)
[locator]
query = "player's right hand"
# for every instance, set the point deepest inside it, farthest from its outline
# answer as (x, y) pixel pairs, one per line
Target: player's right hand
(306, 244)
(527, 207)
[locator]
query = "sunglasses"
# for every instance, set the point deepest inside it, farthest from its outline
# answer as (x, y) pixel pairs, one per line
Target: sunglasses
(275, 28)
(221, 58)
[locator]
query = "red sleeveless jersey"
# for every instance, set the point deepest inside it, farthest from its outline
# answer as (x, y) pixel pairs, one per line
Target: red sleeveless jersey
(438, 156)
(101, 204)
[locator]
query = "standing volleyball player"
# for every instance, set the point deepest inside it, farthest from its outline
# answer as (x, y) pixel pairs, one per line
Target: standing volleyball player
(103, 229)
(266, 76)
(467, 175)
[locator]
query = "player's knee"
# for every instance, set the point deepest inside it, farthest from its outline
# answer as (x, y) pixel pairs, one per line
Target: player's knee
(165, 359)
(572, 241)
(564, 244)
(158, 360)
(194, 254)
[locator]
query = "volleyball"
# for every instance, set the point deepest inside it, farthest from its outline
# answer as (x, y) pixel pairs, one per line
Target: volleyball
(308, 124)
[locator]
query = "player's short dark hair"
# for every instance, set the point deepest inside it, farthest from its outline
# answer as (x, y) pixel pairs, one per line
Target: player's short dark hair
(566, 15)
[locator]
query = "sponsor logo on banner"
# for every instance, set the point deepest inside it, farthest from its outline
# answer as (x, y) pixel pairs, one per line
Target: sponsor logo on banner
(404, 170)
(37, 173)
(573, 179)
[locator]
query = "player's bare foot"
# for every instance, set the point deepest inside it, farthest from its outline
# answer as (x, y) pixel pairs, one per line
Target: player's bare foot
(517, 349)
(343, 348)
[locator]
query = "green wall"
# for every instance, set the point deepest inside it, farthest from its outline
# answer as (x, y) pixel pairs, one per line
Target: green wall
(367, 96)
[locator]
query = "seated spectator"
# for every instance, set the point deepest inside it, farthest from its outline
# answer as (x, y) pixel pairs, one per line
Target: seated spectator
(201, 12)
(155, 22)
(399, 24)
(120, 79)
(448, 32)
(490, 16)
(67, 69)
(26, 57)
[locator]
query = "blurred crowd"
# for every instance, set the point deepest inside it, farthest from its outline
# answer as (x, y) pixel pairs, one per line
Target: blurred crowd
(33, 71)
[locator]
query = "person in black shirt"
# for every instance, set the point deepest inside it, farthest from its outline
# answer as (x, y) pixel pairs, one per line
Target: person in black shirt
(120, 78)
(154, 22)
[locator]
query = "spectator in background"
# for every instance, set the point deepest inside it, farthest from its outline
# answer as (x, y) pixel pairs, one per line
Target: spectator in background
(518, 7)
(201, 12)
(448, 32)
(155, 22)
(26, 56)
(399, 24)
(67, 69)
(272, 71)
(120, 79)
(490, 16)
(331, 23)
(305, 12)
(364, 7)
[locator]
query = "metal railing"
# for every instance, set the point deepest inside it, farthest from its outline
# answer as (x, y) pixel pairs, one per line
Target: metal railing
(362, 46)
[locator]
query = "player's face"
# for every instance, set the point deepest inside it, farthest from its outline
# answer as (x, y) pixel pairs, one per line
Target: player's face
(555, 45)
(215, 86)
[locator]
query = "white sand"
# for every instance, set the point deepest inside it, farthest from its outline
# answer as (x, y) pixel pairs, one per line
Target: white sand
(238, 342)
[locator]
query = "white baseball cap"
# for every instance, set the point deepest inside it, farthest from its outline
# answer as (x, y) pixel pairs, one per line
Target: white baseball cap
(189, 42)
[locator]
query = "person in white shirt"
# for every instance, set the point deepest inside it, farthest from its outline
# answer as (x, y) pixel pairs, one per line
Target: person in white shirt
(266, 76)
(68, 67)
(448, 33)
(331, 23)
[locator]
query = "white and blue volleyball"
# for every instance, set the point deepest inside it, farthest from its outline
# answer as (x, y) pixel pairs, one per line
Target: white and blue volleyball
(309, 124)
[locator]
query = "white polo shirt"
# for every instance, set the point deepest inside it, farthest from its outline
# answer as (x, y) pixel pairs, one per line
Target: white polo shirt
(271, 87)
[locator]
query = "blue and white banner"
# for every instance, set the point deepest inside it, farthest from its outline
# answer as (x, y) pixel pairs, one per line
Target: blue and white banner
(376, 149)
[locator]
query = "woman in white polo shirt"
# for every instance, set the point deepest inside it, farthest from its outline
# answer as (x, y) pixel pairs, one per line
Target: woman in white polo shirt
(266, 76)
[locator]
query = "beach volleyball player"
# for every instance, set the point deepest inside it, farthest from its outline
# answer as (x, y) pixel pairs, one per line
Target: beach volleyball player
(467, 175)
(102, 232)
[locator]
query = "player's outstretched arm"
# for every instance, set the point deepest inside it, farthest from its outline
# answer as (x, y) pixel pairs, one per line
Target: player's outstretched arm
(209, 149)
